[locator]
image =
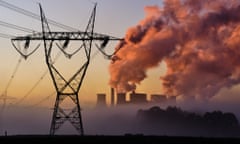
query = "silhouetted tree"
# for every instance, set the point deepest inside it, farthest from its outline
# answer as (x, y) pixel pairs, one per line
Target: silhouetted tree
(174, 121)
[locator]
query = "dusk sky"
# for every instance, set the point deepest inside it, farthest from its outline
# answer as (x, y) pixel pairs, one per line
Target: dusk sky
(185, 61)
(113, 18)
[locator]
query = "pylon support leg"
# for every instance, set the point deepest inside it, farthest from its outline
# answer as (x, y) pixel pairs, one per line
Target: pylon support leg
(61, 115)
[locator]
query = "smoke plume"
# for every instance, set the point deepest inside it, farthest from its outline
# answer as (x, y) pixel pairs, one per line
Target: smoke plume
(197, 39)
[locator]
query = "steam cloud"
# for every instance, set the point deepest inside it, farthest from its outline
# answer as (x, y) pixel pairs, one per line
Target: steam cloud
(197, 39)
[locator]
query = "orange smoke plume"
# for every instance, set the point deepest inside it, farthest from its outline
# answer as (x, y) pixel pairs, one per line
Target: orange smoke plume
(199, 40)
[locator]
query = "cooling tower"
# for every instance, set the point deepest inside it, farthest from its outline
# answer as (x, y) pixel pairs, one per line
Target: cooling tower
(101, 99)
(121, 98)
(138, 98)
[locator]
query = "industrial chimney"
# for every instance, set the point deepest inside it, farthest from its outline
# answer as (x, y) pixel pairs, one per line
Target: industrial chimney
(112, 97)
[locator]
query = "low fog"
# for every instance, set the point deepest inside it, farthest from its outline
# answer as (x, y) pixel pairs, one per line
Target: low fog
(117, 120)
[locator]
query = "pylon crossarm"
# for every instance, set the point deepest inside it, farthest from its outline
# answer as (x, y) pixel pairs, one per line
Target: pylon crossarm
(62, 36)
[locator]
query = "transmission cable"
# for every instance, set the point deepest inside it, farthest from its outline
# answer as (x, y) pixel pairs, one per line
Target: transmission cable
(16, 27)
(38, 82)
(47, 97)
(34, 16)
(13, 74)
(4, 97)
(7, 36)
(43, 100)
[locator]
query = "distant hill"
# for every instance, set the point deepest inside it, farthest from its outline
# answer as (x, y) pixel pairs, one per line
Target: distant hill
(174, 121)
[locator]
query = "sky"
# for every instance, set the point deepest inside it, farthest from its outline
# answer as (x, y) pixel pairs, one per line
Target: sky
(113, 18)
(110, 19)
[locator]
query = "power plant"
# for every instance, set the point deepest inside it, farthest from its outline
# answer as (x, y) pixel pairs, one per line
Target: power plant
(121, 99)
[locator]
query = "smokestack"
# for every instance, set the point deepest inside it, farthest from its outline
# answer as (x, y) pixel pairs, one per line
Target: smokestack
(112, 96)
(101, 99)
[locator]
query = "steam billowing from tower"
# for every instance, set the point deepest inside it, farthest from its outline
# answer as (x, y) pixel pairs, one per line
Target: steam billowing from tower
(199, 40)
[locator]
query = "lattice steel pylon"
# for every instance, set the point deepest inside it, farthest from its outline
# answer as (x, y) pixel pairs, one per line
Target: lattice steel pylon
(65, 88)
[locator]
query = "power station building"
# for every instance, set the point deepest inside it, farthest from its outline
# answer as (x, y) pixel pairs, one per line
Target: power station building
(120, 99)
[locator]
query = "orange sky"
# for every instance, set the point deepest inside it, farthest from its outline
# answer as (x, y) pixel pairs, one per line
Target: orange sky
(32, 69)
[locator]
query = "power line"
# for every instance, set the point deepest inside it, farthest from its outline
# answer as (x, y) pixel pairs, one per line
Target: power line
(7, 36)
(47, 97)
(38, 82)
(67, 88)
(32, 89)
(42, 100)
(16, 27)
(4, 97)
(34, 16)
(41, 78)
(53, 93)
(13, 74)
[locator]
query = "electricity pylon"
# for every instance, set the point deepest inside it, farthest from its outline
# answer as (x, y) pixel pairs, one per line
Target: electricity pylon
(65, 88)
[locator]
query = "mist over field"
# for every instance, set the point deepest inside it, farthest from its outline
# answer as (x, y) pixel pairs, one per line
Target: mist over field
(118, 120)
